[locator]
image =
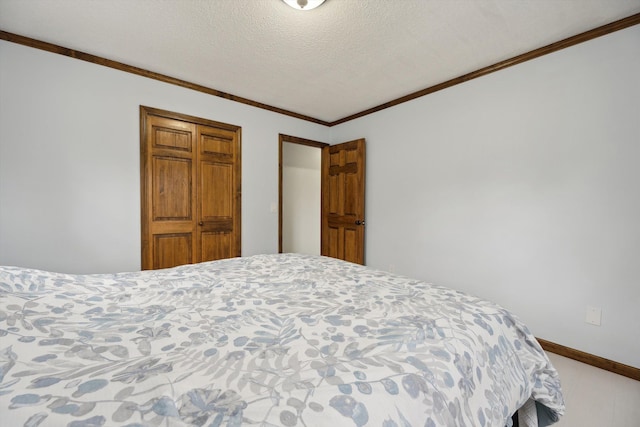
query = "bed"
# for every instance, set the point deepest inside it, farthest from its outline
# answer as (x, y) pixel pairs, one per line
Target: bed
(267, 340)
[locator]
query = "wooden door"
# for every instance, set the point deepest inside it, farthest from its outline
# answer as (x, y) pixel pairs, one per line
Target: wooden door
(218, 194)
(343, 185)
(190, 187)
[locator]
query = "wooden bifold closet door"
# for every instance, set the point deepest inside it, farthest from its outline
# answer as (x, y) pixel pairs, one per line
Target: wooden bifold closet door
(190, 185)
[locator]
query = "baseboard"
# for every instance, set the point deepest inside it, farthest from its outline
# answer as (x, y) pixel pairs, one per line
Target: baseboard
(590, 359)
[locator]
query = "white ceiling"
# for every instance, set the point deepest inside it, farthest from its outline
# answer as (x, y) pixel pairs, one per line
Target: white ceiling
(337, 60)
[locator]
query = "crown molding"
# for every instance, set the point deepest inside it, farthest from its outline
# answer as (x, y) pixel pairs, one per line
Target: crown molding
(536, 53)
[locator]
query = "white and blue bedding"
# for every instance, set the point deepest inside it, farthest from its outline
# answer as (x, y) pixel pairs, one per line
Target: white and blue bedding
(269, 340)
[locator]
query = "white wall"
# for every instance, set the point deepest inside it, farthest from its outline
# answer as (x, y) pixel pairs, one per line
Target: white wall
(523, 187)
(69, 161)
(301, 185)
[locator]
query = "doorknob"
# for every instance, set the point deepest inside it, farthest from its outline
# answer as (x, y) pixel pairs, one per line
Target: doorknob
(201, 223)
(358, 222)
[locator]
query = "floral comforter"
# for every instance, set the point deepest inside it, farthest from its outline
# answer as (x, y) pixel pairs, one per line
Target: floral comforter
(269, 340)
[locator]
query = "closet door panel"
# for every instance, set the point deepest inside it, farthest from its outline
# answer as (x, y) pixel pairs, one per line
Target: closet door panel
(216, 182)
(171, 189)
(172, 250)
(218, 193)
(168, 194)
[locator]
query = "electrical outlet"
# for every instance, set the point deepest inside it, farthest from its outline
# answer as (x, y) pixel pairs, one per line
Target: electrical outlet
(594, 316)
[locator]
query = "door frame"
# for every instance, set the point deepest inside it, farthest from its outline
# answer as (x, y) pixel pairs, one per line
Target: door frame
(282, 138)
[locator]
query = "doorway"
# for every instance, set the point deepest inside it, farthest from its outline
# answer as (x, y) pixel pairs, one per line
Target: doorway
(340, 200)
(300, 197)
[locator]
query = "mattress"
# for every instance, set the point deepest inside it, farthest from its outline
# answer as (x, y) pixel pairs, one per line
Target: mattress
(267, 340)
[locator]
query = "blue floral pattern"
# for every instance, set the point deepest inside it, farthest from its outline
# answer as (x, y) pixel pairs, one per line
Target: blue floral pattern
(268, 340)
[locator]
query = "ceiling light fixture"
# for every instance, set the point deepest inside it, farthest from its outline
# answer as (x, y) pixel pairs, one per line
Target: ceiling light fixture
(304, 4)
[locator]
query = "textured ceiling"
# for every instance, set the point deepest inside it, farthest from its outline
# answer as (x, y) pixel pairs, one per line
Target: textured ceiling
(337, 60)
